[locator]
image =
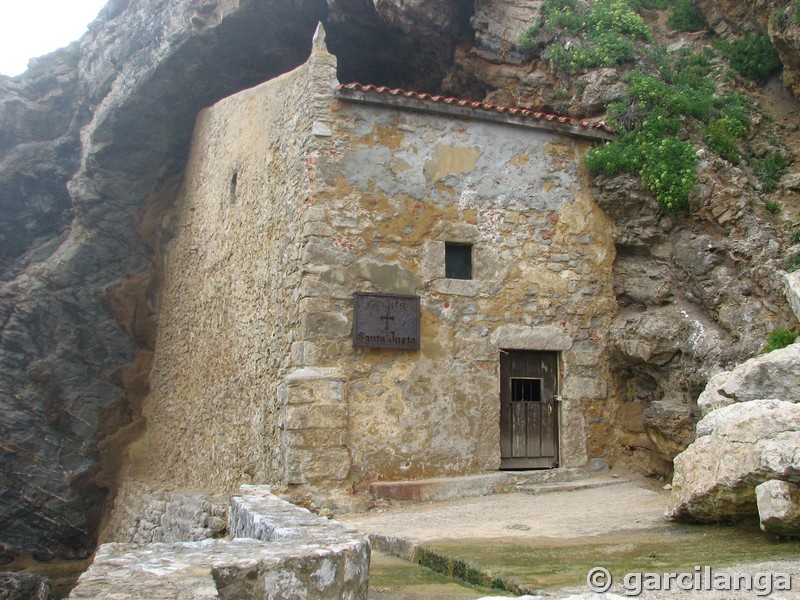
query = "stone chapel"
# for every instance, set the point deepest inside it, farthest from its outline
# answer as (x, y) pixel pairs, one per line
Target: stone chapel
(370, 284)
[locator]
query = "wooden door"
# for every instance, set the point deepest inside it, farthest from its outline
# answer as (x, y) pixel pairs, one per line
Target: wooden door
(528, 410)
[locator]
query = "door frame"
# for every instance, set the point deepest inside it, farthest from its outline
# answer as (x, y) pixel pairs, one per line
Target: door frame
(553, 402)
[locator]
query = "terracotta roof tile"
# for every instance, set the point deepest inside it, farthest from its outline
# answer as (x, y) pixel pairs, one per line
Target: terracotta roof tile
(475, 105)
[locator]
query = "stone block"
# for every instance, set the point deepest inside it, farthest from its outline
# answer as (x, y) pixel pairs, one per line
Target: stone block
(457, 287)
(310, 416)
(320, 251)
(317, 465)
(324, 326)
(779, 507)
(314, 438)
(585, 387)
(517, 337)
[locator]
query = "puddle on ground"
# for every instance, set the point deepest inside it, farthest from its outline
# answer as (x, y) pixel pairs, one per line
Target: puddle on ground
(549, 564)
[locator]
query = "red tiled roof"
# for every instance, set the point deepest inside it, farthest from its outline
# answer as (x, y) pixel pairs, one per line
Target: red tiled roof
(475, 105)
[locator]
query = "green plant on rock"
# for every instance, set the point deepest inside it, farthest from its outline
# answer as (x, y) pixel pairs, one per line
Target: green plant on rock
(527, 39)
(779, 338)
(685, 16)
(607, 30)
(753, 57)
(793, 263)
(772, 206)
(769, 169)
(723, 136)
(661, 4)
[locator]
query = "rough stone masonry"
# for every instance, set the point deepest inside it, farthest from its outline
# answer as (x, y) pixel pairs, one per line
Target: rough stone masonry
(294, 199)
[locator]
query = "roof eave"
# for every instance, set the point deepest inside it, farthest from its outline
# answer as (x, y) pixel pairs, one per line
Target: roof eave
(571, 128)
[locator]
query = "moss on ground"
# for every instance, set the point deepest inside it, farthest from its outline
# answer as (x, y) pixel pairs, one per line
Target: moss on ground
(550, 564)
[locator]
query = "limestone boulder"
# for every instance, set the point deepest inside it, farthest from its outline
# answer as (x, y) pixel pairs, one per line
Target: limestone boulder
(779, 507)
(772, 375)
(670, 426)
(737, 448)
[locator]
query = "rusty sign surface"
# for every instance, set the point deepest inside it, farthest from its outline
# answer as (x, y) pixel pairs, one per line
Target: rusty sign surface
(386, 321)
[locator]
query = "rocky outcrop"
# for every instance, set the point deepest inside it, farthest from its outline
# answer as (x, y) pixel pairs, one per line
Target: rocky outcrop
(729, 18)
(23, 586)
(737, 448)
(779, 507)
(694, 297)
(773, 375)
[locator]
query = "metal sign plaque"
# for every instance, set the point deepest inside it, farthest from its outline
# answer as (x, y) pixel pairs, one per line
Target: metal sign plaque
(386, 321)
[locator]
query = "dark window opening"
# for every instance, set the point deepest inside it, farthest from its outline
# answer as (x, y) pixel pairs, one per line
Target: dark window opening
(458, 261)
(526, 390)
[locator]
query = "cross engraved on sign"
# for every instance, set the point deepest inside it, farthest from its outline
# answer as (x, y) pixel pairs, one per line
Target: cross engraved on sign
(385, 321)
(386, 318)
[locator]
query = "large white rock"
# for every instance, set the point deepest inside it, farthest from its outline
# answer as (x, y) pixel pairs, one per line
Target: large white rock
(779, 507)
(738, 447)
(773, 375)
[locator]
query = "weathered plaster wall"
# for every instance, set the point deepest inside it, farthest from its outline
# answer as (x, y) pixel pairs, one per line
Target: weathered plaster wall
(226, 322)
(397, 185)
(292, 202)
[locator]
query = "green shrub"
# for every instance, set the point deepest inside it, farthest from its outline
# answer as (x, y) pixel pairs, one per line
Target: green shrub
(608, 29)
(723, 136)
(662, 4)
(794, 237)
(753, 57)
(527, 39)
(793, 263)
(617, 17)
(779, 338)
(772, 206)
(668, 171)
(769, 170)
(686, 17)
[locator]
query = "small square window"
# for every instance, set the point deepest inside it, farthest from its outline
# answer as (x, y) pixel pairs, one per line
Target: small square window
(458, 261)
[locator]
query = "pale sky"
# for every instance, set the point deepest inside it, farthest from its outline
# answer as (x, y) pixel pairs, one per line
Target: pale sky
(31, 28)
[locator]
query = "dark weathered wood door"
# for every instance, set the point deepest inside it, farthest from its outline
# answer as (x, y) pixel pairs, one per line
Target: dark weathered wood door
(528, 410)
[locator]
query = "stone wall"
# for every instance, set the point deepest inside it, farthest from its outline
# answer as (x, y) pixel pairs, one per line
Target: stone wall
(146, 514)
(227, 321)
(397, 185)
(294, 200)
(276, 550)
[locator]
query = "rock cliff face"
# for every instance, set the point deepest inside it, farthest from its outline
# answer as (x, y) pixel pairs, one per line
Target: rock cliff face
(89, 135)
(93, 140)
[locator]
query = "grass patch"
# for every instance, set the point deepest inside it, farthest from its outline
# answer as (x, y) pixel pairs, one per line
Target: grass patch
(779, 338)
(793, 263)
(685, 16)
(753, 57)
(769, 170)
(553, 564)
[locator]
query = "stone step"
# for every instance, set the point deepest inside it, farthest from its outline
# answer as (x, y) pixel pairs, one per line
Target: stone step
(451, 488)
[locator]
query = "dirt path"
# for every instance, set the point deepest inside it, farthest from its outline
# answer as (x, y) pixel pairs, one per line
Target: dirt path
(518, 515)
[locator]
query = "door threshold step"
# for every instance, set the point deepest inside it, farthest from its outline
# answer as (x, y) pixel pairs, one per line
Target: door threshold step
(451, 488)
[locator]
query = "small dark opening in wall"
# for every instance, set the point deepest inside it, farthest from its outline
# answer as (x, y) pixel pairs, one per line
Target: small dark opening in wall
(526, 389)
(458, 260)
